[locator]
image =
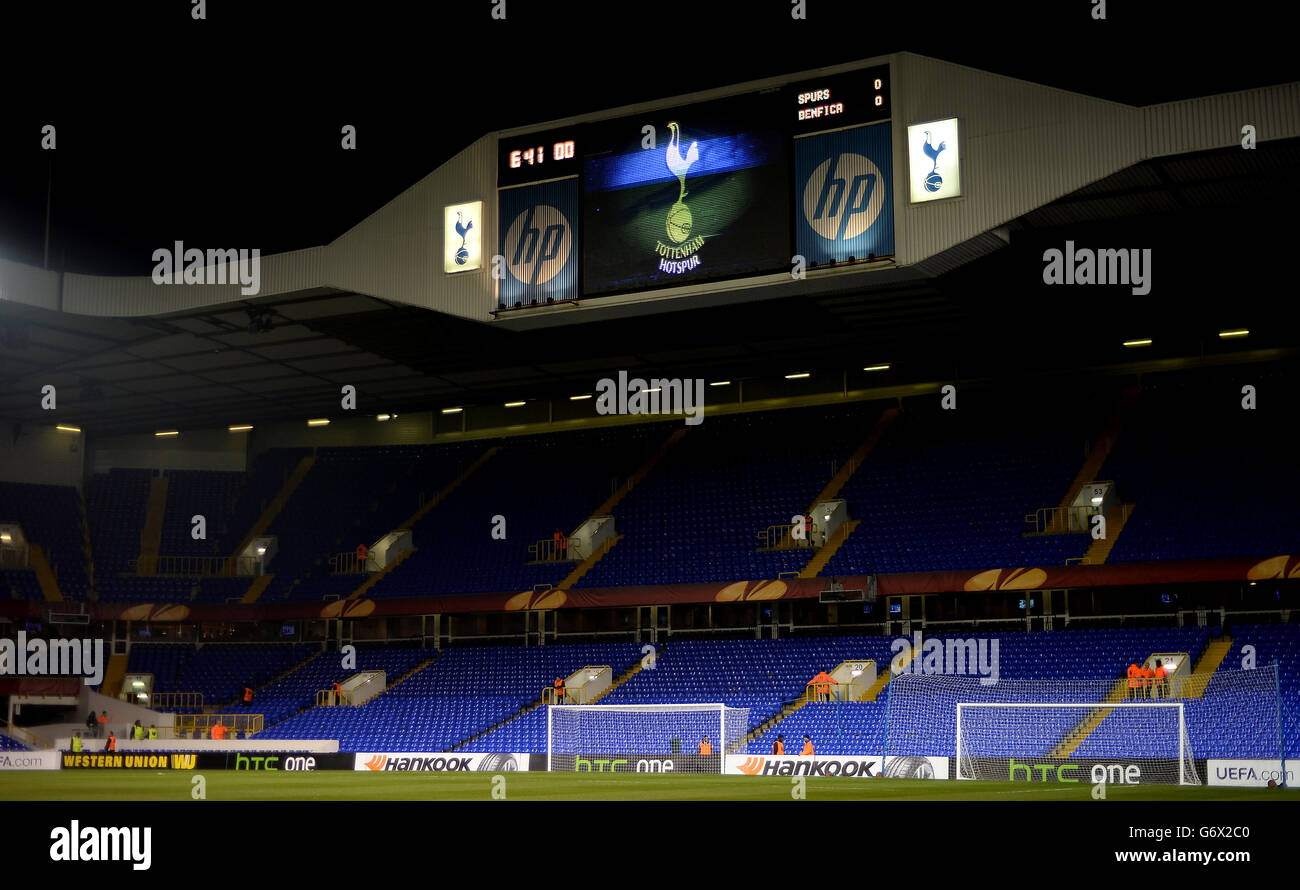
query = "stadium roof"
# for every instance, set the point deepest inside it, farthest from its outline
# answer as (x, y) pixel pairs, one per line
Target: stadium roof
(973, 309)
(206, 368)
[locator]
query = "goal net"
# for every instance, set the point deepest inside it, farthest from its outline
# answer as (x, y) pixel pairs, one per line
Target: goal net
(643, 738)
(1132, 742)
(1065, 731)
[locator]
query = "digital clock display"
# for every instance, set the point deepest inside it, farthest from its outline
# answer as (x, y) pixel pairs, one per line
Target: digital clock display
(560, 151)
(540, 156)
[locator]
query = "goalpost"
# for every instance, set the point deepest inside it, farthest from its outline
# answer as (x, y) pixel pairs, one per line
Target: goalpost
(643, 738)
(1060, 730)
(1147, 742)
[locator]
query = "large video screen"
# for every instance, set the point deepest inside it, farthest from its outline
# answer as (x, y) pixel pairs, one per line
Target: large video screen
(687, 195)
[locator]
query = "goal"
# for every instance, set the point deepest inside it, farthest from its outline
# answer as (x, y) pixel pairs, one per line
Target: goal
(1049, 730)
(643, 738)
(1131, 742)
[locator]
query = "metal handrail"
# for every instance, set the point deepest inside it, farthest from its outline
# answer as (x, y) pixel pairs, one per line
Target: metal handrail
(848, 691)
(249, 724)
(325, 698)
(194, 566)
(576, 695)
(776, 537)
(1048, 519)
(26, 736)
(547, 550)
(348, 564)
(158, 700)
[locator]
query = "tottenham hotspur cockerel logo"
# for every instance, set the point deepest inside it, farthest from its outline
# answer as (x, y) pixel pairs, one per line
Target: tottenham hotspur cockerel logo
(933, 181)
(679, 256)
(462, 229)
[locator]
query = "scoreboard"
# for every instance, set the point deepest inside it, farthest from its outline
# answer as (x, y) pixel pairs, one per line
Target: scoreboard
(724, 189)
(860, 97)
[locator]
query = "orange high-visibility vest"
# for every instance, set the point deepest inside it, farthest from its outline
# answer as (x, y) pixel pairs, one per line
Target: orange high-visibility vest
(1133, 673)
(706, 748)
(807, 748)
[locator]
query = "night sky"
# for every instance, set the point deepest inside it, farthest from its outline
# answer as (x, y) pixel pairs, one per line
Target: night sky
(226, 131)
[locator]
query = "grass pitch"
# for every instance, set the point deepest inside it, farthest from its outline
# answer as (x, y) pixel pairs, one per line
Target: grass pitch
(72, 785)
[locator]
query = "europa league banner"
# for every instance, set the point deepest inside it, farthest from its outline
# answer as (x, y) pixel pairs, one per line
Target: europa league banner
(539, 243)
(686, 195)
(844, 195)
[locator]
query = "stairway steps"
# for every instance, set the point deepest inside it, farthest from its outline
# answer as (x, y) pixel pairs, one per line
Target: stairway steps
(151, 534)
(375, 577)
(451, 486)
(860, 454)
(44, 574)
(1101, 449)
(278, 502)
(1099, 550)
(589, 563)
(827, 550)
